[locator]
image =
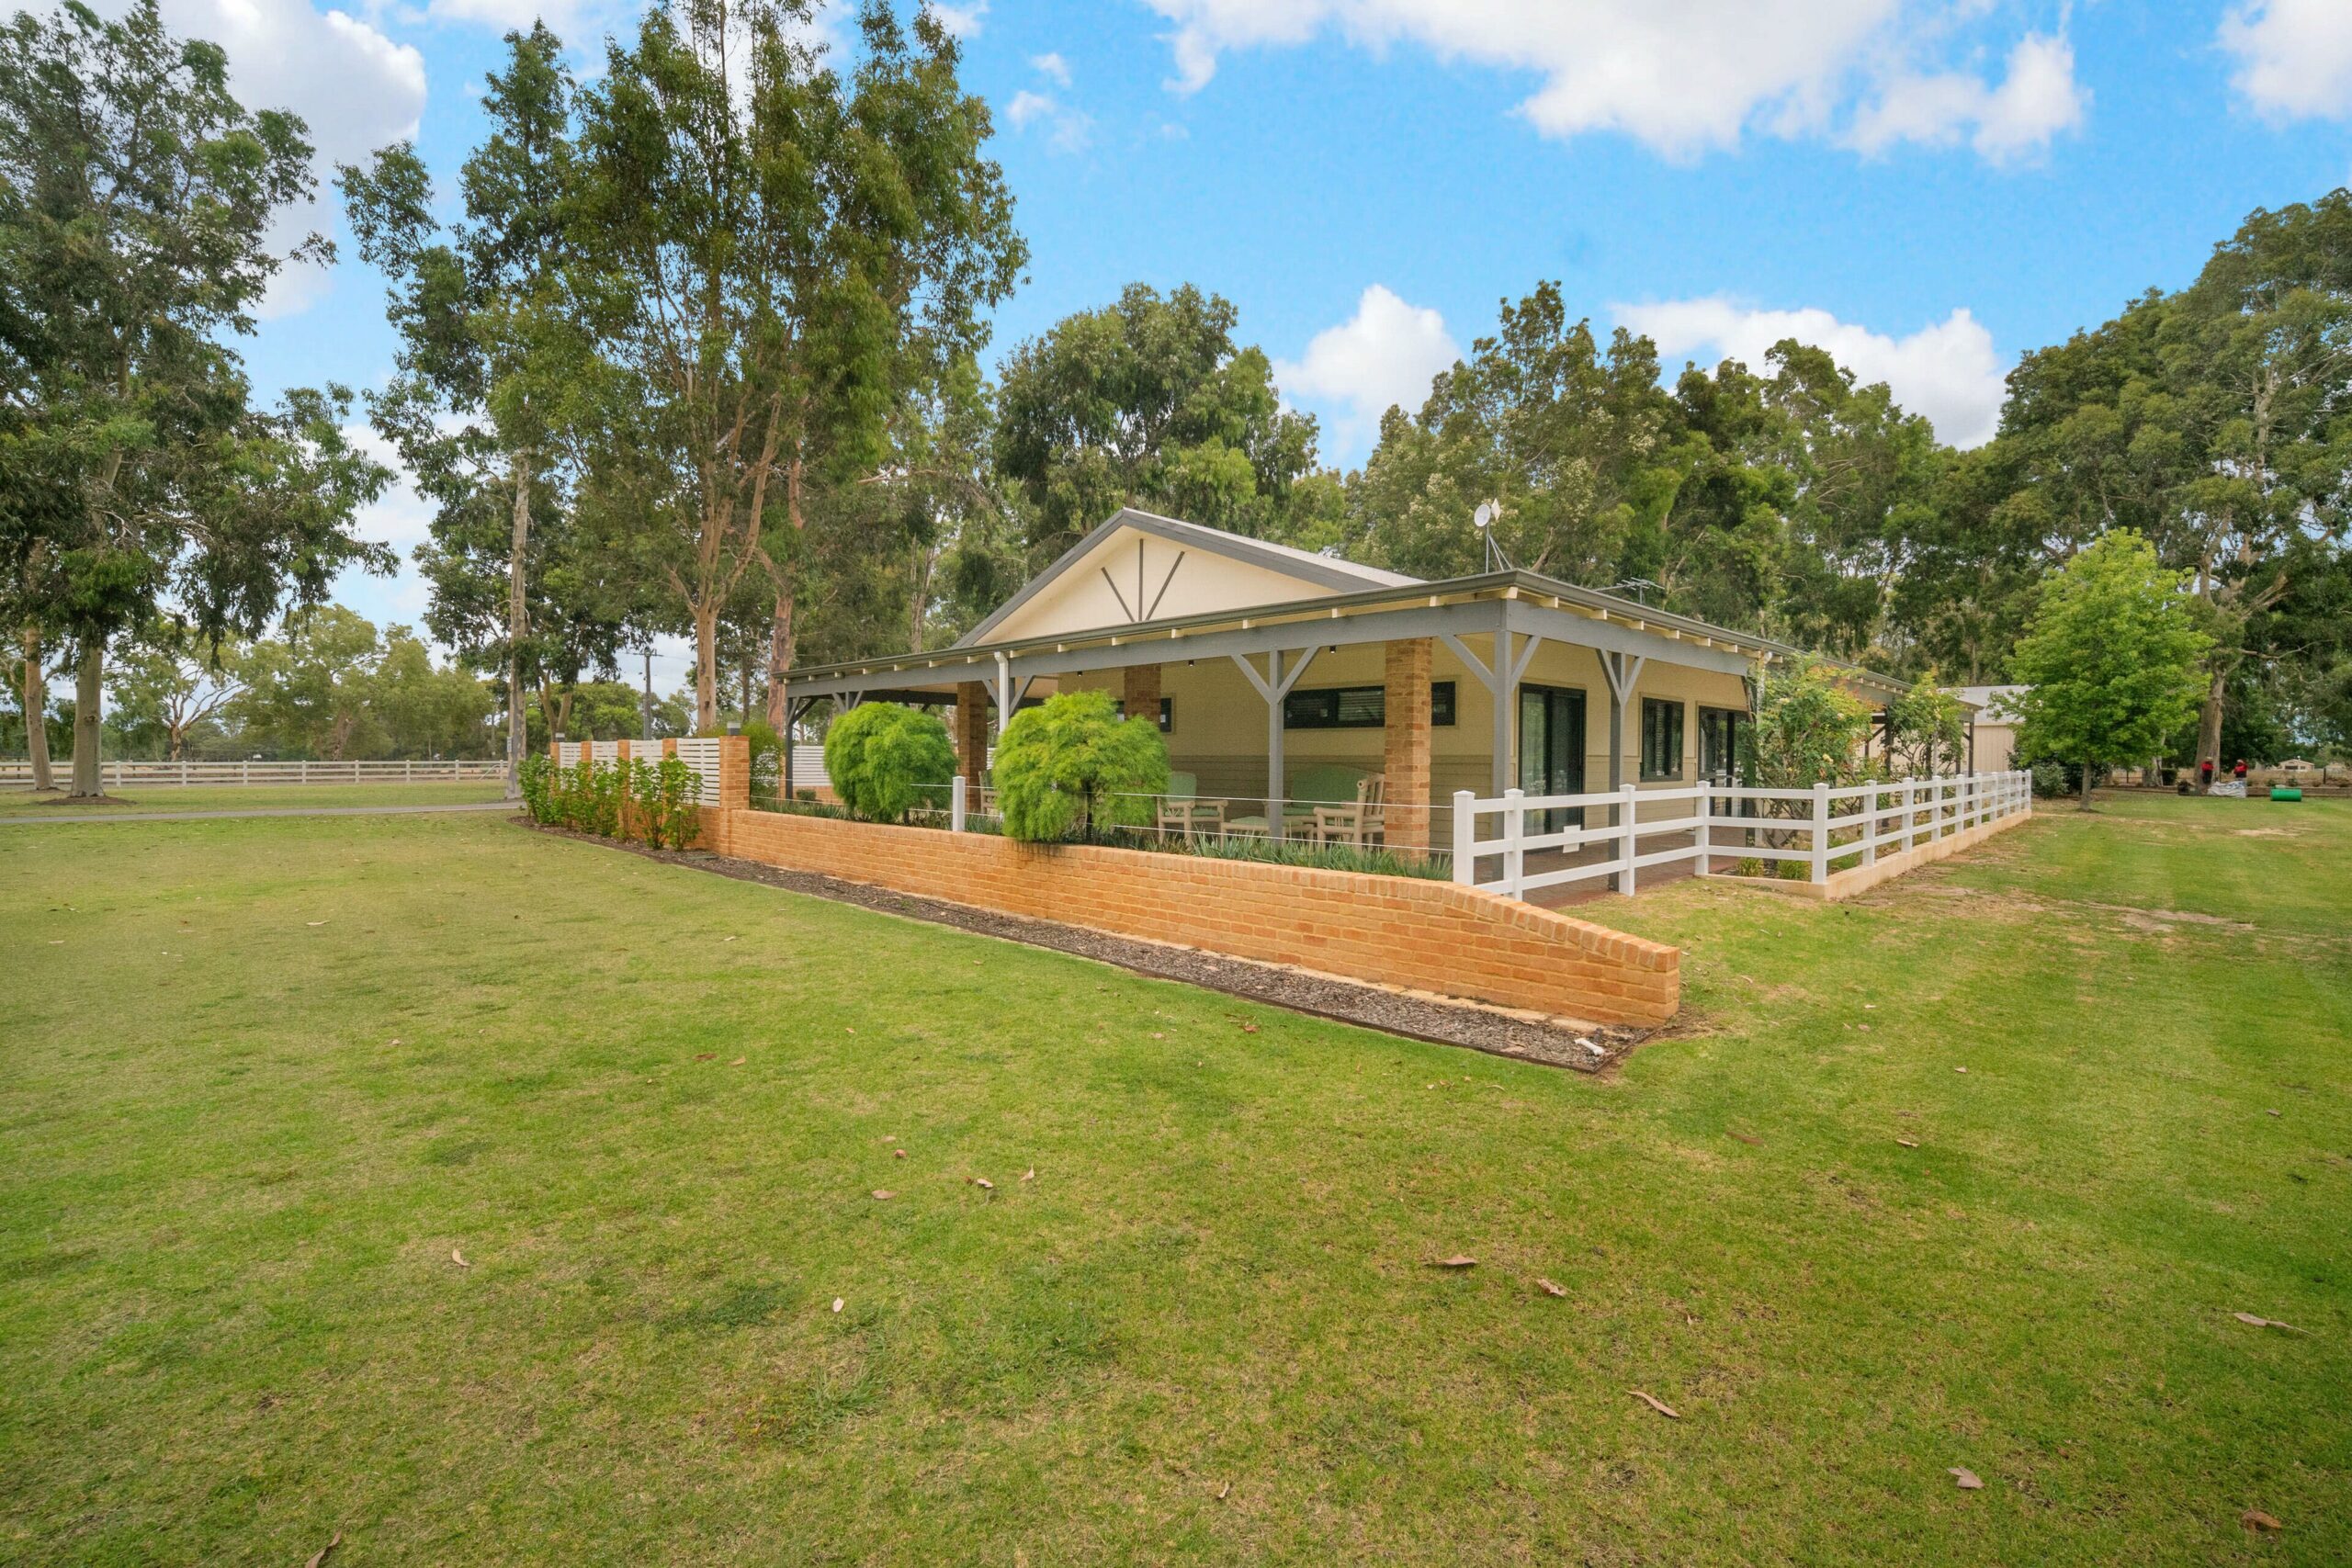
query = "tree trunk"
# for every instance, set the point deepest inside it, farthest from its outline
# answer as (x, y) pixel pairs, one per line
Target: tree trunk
(515, 626)
(2086, 786)
(2208, 723)
(706, 667)
(89, 686)
(37, 713)
(780, 647)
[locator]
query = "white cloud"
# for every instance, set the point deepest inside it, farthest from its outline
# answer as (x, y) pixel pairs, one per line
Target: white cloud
(355, 88)
(2036, 100)
(1681, 76)
(1949, 372)
(1052, 66)
(1026, 106)
(1069, 131)
(963, 21)
(1383, 356)
(2294, 57)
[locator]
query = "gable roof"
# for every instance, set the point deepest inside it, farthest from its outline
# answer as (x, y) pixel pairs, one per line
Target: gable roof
(1322, 571)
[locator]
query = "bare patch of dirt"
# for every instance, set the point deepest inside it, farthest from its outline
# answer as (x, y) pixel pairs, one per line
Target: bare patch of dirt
(1557, 1042)
(2165, 919)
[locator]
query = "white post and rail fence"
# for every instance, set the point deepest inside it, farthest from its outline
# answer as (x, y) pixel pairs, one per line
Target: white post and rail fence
(118, 774)
(1521, 843)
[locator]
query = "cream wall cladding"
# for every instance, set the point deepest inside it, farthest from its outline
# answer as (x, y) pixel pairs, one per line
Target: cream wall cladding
(1218, 730)
(1158, 572)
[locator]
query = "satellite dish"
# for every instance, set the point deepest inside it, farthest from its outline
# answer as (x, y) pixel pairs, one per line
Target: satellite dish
(1484, 516)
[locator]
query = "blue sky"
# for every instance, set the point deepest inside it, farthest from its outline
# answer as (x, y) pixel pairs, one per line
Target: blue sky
(1927, 188)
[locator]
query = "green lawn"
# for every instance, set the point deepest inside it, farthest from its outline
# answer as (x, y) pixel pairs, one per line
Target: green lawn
(134, 798)
(259, 1080)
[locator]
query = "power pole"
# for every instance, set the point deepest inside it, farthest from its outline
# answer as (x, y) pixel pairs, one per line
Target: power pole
(649, 690)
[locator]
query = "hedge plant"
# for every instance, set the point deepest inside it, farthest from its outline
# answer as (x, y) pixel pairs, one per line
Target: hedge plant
(1073, 765)
(884, 759)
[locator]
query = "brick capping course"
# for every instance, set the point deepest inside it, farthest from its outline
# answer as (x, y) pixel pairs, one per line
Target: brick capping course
(1407, 932)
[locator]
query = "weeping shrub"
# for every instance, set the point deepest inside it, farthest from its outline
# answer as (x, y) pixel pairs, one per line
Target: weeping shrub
(1072, 764)
(884, 759)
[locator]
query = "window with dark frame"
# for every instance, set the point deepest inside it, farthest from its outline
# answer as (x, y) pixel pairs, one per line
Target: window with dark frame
(1358, 707)
(1661, 739)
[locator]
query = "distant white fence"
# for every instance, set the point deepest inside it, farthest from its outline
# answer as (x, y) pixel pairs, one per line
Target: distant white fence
(117, 775)
(1859, 821)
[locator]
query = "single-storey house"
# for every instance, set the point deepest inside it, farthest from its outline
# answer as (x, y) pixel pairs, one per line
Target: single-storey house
(1993, 730)
(1273, 670)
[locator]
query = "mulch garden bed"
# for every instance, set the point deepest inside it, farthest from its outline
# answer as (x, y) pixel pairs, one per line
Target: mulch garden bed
(1585, 1048)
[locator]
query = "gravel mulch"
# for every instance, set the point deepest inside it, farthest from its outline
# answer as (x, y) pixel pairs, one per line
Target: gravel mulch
(1586, 1048)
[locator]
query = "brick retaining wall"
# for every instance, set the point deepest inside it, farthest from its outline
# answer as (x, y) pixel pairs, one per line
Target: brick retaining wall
(1392, 931)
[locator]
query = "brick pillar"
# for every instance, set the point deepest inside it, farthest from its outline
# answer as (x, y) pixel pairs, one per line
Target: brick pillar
(1143, 692)
(734, 794)
(1405, 744)
(972, 732)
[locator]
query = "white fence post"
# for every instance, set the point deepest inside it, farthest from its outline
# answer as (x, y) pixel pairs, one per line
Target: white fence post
(1702, 866)
(1821, 830)
(1626, 815)
(955, 805)
(1465, 837)
(1910, 810)
(1514, 831)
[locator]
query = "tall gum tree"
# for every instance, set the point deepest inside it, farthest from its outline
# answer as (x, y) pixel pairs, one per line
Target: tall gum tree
(495, 369)
(772, 243)
(137, 196)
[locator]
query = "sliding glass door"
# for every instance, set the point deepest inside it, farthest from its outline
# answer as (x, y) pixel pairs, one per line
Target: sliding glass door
(1551, 748)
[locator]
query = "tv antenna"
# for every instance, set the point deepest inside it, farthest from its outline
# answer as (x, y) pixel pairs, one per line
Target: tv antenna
(1485, 519)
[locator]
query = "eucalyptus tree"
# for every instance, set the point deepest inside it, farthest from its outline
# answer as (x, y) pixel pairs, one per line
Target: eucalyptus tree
(779, 252)
(1147, 402)
(136, 197)
(1569, 438)
(494, 369)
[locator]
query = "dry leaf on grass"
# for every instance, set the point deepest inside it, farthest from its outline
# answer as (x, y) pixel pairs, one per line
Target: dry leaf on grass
(1222, 1490)
(883, 1194)
(982, 1182)
(1908, 1142)
(1959, 1070)
(1661, 1407)
(2267, 1323)
(898, 1154)
(705, 1055)
(315, 923)
(838, 1303)
(459, 1258)
(739, 1061)
(1749, 1139)
(1458, 1260)
(321, 1554)
(1548, 1288)
(2256, 1520)
(1029, 1175)
(1967, 1479)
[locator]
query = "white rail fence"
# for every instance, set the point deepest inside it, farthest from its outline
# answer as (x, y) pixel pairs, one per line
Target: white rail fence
(1856, 822)
(116, 774)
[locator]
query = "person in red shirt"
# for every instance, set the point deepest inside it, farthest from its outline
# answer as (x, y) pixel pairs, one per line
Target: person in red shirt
(2238, 773)
(2205, 773)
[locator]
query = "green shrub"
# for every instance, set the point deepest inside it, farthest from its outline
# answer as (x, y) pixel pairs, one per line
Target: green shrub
(538, 787)
(1371, 861)
(1749, 865)
(1793, 871)
(766, 747)
(884, 759)
(1073, 765)
(681, 808)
